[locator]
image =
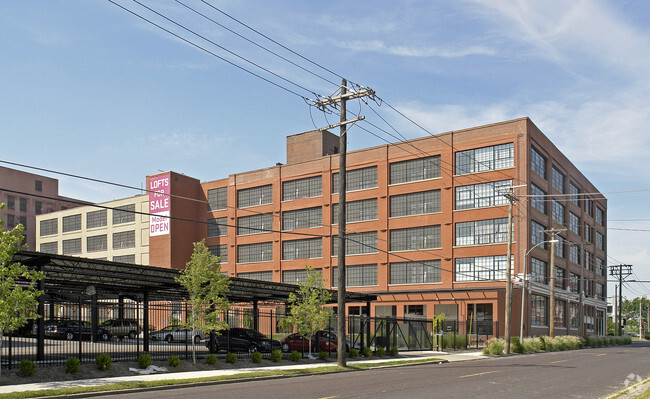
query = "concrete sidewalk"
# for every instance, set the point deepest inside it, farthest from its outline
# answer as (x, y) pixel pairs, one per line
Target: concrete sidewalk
(451, 357)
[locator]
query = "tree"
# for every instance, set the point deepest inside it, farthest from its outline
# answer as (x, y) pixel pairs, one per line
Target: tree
(207, 289)
(630, 311)
(308, 313)
(18, 293)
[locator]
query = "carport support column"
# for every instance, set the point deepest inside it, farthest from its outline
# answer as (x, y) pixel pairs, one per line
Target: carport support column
(256, 319)
(120, 307)
(40, 323)
(94, 317)
(145, 322)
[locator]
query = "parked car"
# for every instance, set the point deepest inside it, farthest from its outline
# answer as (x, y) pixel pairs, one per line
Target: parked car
(323, 340)
(122, 328)
(176, 334)
(241, 340)
(74, 329)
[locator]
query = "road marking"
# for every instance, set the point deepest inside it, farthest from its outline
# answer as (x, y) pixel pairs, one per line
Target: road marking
(474, 375)
(601, 354)
(560, 361)
(329, 397)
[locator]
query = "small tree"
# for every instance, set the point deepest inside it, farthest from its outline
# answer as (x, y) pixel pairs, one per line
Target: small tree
(206, 288)
(308, 312)
(18, 293)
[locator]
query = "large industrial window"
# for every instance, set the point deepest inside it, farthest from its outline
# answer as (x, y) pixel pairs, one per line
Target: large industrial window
(263, 276)
(96, 219)
(538, 271)
(485, 159)
(537, 234)
(600, 241)
(415, 169)
(96, 243)
(357, 243)
(49, 226)
(415, 238)
(124, 239)
(260, 252)
(71, 223)
(124, 214)
(302, 188)
(11, 202)
(255, 196)
(358, 179)
(538, 310)
(356, 276)
(217, 199)
(356, 211)
(574, 223)
(415, 203)
(537, 162)
(575, 193)
(482, 195)
(600, 216)
(72, 247)
(49, 247)
(302, 249)
(295, 276)
(560, 275)
(255, 224)
(427, 271)
(560, 307)
(124, 258)
(302, 219)
(220, 250)
(558, 212)
(482, 232)
(538, 199)
(218, 227)
(481, 268)
(557, 179)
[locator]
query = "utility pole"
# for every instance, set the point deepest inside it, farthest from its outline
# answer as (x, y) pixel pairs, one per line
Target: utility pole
(551, 297)
(322, 104)
(640, 321)
(508, 316)
(581, 311)
(620, 270)
(616, 305)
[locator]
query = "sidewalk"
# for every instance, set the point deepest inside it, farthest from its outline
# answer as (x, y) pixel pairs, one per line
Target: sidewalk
(451, 357)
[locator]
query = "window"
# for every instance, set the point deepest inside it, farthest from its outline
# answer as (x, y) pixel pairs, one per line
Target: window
(538, 269)
(538, 310)
(302, 249)
(23, 204)
(218, 227)
(124, 214)
(600, 291)
(11, 222)
(559, 277)
(600, 216)
(302, 188)
(484, 159)
(574, 223)
(96, 219)
(557, 179)
(260, 252)
(537, 234)
(600, 241)
(482, 232)
(255, 196)
(559, 246)
(589, 260)
(415, 203)
(415, 311)
(356, 276)
(38, 185)
(255, 224)
(38, 207)
(49, 247)
(124, 259)
(574, 282)
(11, 202)
(574, 310)
(574, 253)
(538, 201)
(221, 251)
(482, 195)
(415, 238)
(589, 206)
(23, 220)
(537, 162)
(427, 271)
(574, 191)
(600, 267)
(263, 276)
(589, 233)
(481, 268)
(124, 239)
(560, 308)
(217, 199)
(415, 170)
(558, 212)
(358, 179)
(96, 243)
(357, 243)
(356, 211)
(71, 223)
(71, 247)
(49, 226)
(295, 276)
(302, 219)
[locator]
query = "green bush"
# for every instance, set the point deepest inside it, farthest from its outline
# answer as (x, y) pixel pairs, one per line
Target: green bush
(532, 345)
(516, 345)
(72, 365)
(173, 361)
(380, 352)
(276, 355)
(103, 361)
(393, 351)
(354, 353)
(455, 341)
(494, 347)
(27, 368)
(231, 358)
(295, 356)
(211, 359)
(144, 360)
(256, 357)
(323, 355)
(367, 352)
(542, 341)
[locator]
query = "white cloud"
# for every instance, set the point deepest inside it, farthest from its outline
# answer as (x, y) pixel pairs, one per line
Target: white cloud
(379, 46)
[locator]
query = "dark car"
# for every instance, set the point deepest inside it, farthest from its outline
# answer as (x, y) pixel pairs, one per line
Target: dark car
(241, 340)
(176, 334)
(74, 329)
(321, 341)
(122, 328)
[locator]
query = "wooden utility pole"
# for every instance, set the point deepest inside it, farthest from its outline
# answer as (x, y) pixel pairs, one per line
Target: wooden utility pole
(508, 317)
(622, 271)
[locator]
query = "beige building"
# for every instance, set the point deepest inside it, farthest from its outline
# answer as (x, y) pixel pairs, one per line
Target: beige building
(116, 230)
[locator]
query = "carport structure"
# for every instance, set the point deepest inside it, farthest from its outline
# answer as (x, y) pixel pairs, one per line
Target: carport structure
(90, 280)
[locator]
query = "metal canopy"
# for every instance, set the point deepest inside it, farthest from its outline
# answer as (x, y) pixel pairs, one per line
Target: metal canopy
(71, 276)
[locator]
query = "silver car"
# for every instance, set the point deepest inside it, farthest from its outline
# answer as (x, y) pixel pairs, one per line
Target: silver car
(176, 334)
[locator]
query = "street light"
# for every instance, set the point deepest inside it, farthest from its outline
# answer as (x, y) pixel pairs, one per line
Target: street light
(523, 286)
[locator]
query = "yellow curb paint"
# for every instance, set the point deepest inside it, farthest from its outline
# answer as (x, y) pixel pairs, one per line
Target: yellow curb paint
(474, 375)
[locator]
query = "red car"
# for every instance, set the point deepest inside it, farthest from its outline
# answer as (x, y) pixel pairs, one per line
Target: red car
(327, 341)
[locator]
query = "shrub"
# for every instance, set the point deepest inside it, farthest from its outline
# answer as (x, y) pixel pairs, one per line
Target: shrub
(323, 355)
(144, 360)
(516, 345)
(27, 368)
(380, 352)
(532, 345)
(456, 341)
(231, 358)
(367, 352)
(542, 341)
(276, 355)
(354, 353)
(494, 347)
(393, 351)
(173, 361)
(256, 357)
(103, 361)
(211, 359)
(295, 356)
(588, 341)
(72, 365)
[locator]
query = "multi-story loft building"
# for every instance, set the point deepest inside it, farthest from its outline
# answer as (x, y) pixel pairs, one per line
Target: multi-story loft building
(426, 225)
(27, 195)
(116, 230)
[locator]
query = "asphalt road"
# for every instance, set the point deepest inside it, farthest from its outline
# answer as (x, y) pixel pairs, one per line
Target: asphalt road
(590, 373)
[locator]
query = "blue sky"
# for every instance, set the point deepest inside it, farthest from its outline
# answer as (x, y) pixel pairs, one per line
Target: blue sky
(90, 89)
